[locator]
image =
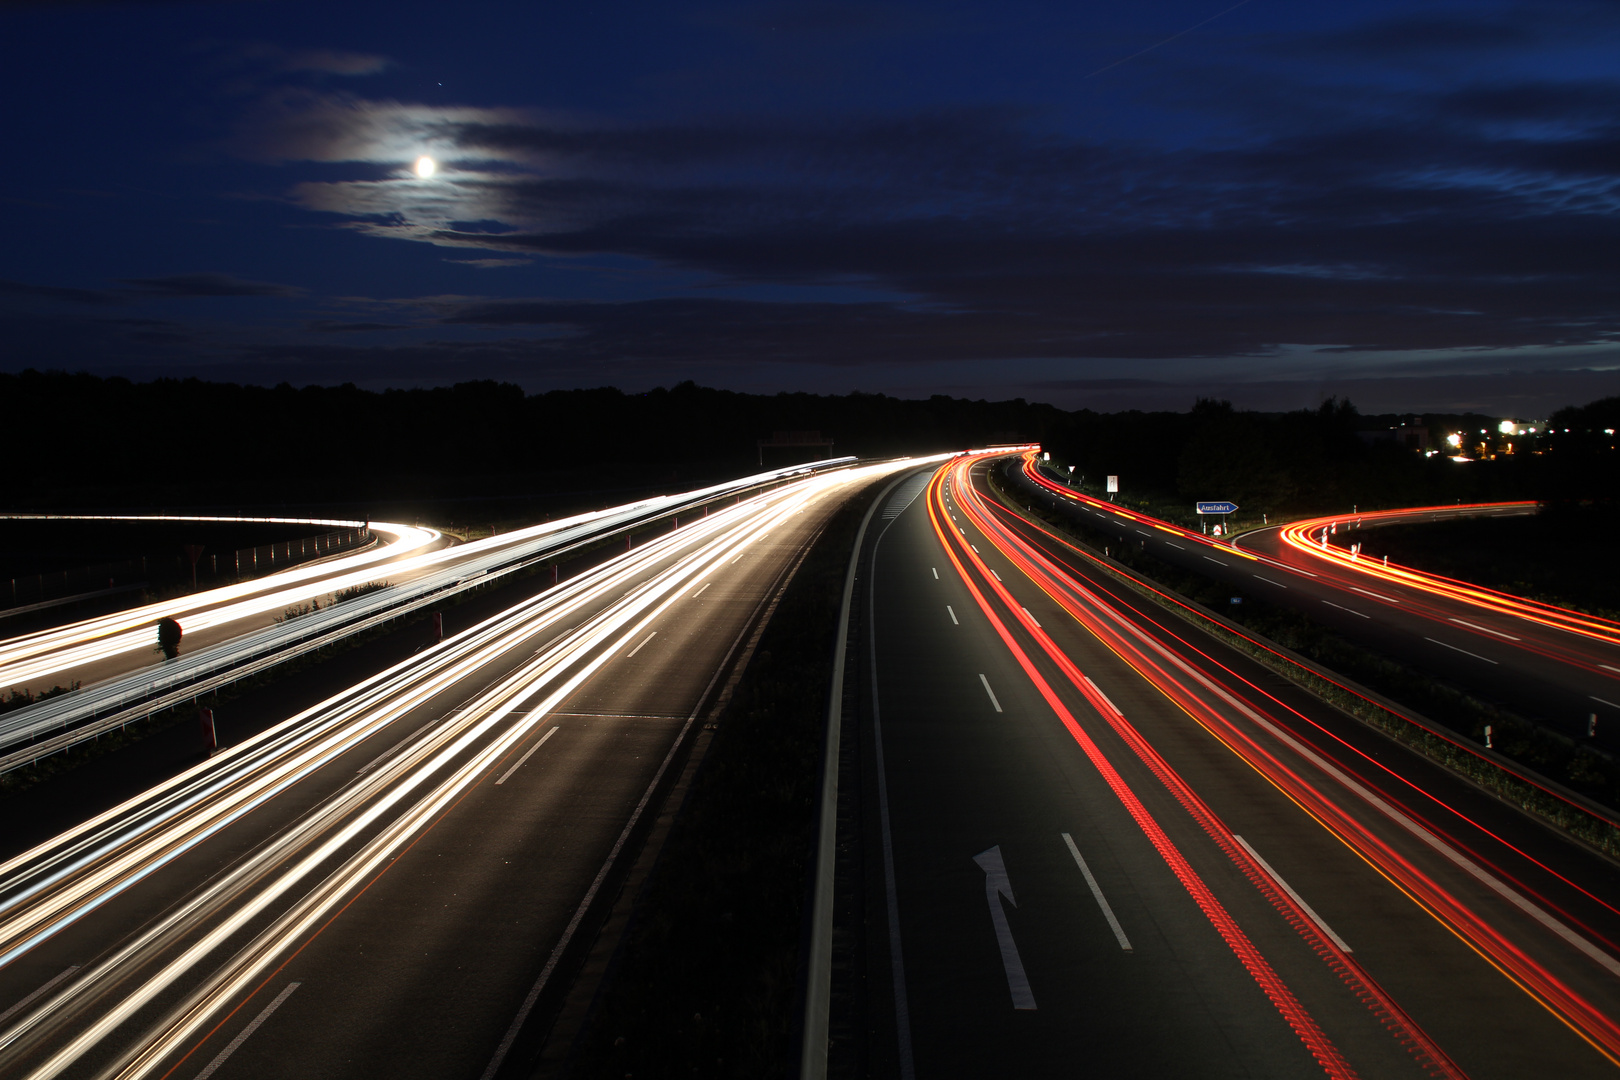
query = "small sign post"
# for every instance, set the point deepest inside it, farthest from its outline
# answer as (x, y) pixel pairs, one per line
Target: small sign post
(1113, 487)
(1218, 507)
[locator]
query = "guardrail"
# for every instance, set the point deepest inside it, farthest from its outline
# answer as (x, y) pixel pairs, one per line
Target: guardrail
(95, 710)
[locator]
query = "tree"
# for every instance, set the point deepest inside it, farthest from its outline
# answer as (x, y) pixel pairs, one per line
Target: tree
(169, 638)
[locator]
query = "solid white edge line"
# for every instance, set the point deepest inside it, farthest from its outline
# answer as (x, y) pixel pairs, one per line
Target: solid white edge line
(952, 612)
(526, 756)
(1292, 895)
(989, 691)
(1485, 629)
(1465, 652)
(1096, 892)
(264, 1014)
(643, 645)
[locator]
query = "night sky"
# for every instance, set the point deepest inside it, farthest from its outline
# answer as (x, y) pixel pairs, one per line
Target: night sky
(1107, 205)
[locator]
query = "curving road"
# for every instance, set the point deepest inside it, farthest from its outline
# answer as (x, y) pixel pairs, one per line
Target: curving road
(390, 883)
(1092, 840)
(1558, 667)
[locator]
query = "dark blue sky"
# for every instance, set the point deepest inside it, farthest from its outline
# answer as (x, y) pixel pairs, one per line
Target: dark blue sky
(1413, 203)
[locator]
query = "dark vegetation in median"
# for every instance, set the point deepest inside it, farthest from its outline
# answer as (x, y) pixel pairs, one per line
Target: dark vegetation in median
(706, 982)
(1551, 755)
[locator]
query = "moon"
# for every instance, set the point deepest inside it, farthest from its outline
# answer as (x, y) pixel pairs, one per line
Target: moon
(426, 167)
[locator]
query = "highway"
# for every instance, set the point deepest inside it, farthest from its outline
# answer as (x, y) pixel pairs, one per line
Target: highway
(1094, 841)
(241, 628)
(390, 883)
(93, 649)
(1554, 666)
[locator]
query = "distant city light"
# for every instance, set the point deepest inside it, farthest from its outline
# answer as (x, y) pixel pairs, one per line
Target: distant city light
(1507, 427)
(1454, 440)
(426, 167)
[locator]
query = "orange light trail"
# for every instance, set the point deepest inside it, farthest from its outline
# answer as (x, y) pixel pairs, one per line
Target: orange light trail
(1087, 608)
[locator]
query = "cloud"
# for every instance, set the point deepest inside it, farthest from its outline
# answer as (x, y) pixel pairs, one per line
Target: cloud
(334, 62)
(56, 293)
(491, 264)
(177, 285)
(330, 326)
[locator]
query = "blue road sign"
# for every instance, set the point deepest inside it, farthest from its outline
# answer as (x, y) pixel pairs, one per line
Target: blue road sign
(1217, 508)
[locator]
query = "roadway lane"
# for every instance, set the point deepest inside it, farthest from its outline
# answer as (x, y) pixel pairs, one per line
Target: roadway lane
(997, 753)
(1537, 666)
(411, 855)
(106, 646)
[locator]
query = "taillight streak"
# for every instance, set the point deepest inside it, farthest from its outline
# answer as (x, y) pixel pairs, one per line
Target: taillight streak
(1580, 1015)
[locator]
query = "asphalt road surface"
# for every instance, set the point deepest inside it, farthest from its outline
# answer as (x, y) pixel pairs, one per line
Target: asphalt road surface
(1095, 842)
(1539, 667)
(389, 884)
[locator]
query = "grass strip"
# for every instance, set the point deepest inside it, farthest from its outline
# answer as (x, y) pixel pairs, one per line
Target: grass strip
(706, 982)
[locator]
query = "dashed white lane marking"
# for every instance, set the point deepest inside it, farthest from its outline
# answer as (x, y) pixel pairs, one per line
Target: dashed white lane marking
(1268, 581)
(1030, 617)
(1485, 629)
(1375, 596)
(1100, 694)
(1292, 895)
(1341, 607)
(1175, 545)
(1600, 701)
(1096, 892)
(995, 575)
(935, 569)
(989, 691)
(219, 1059)
(952, 612)
(1610, 667)
(36, 995)
(1465, 652)
(525, 757)
(699, 593)
(1217, 561)
(643, 645)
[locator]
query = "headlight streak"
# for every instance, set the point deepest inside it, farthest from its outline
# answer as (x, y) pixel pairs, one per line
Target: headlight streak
(103, 857)
(1562, 1001)
(1310, 1033)
(35, 655)
(104, 636)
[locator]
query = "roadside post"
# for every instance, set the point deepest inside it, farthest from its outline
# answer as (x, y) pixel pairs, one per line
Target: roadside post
(210, 738)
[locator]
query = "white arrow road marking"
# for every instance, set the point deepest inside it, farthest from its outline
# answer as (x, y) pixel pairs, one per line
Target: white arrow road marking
(996, 886)
(1096, 891)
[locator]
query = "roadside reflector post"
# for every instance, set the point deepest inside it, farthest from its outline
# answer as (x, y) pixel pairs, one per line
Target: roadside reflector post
(1591, 725)
(210, 739)
(1488, 737)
